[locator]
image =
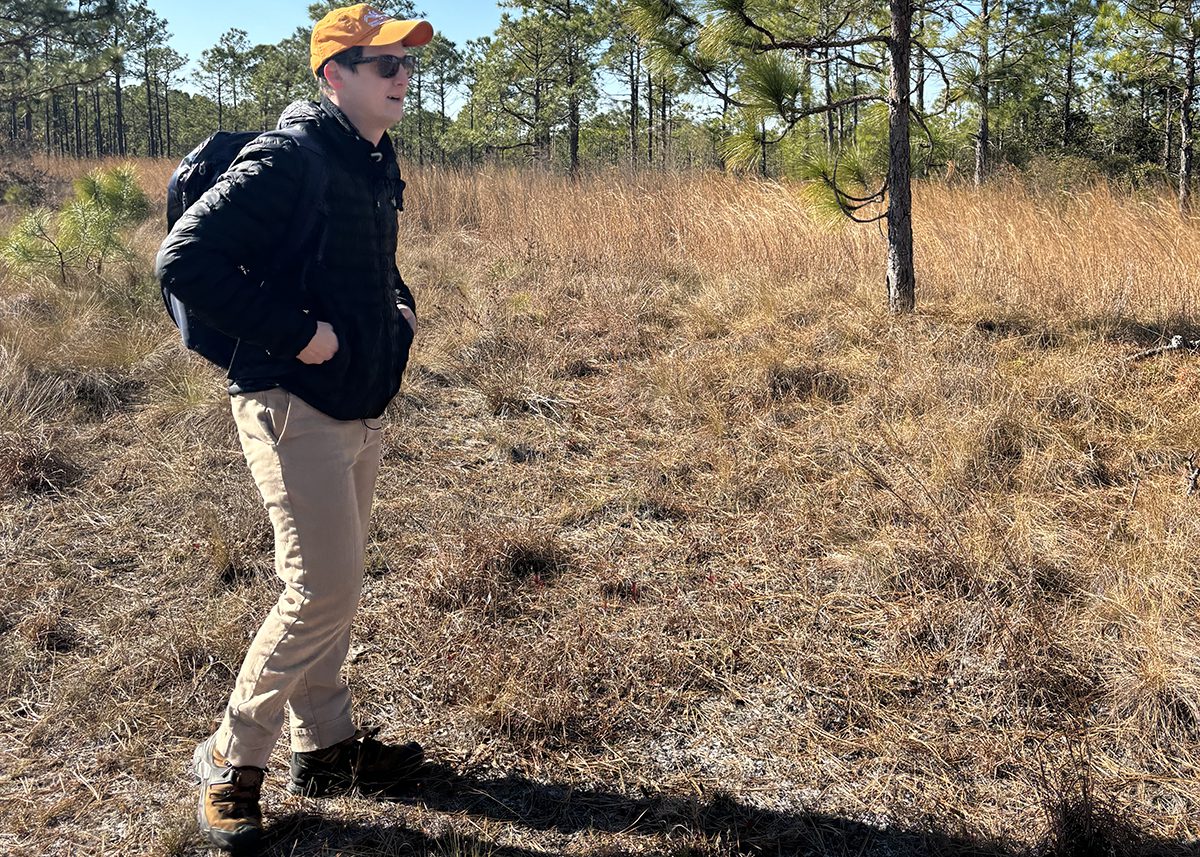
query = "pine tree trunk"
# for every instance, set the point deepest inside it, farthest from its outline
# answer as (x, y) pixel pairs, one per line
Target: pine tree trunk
(920, 63)
(854, 92)
(1168, 129)
(1186, 123)
(120, 115)
(663, 135)
(1068, 88)
(158, 115)
(985, 60)
(420, 122)
(150, 150)
(573, 118)
(762, 154)
(635, 105)
(901, 279)
(97, 126)
(442, 117)
(167, 105)
(649, 118)
(78, 129)
(827, 79)
(573, 106)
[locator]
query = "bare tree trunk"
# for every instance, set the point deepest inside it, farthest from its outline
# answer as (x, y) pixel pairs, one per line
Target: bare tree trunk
(981, 138)
(150, 148)
(573, 116)
(1168, 127)
(663, 133)
(442, 116)
(650, 120)
(167, 105)
(855, 93)
(830, 129)
(78, 130)
(27, 117)
(1068, 88)
(158, 116)
(573, 106)
(635, 105)
(420, 120)
(535, 129)
(920, 63)
(471, 125)
(96, 121)
(120, 114)
(762, 142)
(901, 279)
(1186, 122)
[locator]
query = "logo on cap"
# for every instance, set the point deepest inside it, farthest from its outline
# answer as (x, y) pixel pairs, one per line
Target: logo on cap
(375, 19)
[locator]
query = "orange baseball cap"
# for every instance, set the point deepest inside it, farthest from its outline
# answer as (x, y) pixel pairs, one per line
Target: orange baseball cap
(361, 26)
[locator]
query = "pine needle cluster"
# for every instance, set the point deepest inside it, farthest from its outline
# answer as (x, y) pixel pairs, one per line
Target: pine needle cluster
(83, 236)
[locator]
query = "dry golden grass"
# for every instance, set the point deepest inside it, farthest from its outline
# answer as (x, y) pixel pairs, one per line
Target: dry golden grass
(683, 545)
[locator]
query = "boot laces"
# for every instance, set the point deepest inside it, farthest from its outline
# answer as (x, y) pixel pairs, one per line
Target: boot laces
(239, 798)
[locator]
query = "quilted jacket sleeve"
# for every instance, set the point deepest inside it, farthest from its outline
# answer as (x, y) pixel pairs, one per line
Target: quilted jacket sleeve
(231, 231)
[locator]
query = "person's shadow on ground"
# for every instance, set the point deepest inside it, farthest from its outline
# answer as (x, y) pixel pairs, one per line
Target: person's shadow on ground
(716, 825)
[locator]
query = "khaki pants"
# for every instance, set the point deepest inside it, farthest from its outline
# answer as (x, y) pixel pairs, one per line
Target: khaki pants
(317, 477)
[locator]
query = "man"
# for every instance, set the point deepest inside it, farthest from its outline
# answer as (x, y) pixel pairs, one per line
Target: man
(322, 345)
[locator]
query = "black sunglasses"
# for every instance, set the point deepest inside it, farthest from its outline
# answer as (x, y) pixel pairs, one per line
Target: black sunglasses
(388, 65)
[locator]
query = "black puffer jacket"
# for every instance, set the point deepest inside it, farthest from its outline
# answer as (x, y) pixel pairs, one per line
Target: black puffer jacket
(220, 256)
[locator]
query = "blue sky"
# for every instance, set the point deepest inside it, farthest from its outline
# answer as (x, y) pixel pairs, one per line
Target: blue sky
(197, 24)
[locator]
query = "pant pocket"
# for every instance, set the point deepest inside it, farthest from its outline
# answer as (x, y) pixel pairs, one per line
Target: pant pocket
(264, 415)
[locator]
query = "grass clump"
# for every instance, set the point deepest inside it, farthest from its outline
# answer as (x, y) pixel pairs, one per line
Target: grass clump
(34, 463)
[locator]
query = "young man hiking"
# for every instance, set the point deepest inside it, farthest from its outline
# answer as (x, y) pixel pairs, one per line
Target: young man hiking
(322, 342)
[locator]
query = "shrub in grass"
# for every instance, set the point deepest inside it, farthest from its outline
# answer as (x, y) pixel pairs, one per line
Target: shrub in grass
(85, 235)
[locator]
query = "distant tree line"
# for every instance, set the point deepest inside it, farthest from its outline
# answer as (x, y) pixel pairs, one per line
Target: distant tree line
(856, 95)
(568, 84)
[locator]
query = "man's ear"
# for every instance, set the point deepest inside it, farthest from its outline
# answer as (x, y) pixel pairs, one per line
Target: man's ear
(333, 75)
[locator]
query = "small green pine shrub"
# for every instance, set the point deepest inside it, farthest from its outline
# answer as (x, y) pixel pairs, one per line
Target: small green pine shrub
(114, 191)
(85, 234)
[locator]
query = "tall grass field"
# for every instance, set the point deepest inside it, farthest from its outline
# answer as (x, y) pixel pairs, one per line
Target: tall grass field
(682, 545)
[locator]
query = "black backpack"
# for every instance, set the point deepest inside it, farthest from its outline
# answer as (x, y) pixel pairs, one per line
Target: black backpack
(199, 171)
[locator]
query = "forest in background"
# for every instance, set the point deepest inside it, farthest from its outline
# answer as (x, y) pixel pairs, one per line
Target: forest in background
(1076, 88)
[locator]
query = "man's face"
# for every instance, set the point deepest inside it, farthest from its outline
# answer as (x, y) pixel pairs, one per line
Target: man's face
(373, 102)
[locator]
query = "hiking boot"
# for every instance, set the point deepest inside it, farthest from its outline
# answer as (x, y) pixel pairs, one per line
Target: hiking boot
(359, 763)
(228, 815)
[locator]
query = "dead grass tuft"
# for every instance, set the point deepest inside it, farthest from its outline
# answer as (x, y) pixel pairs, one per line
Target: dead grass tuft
(807, 382)
(35, 463)
(49, 633)
(1084, 823)
(494, 569)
